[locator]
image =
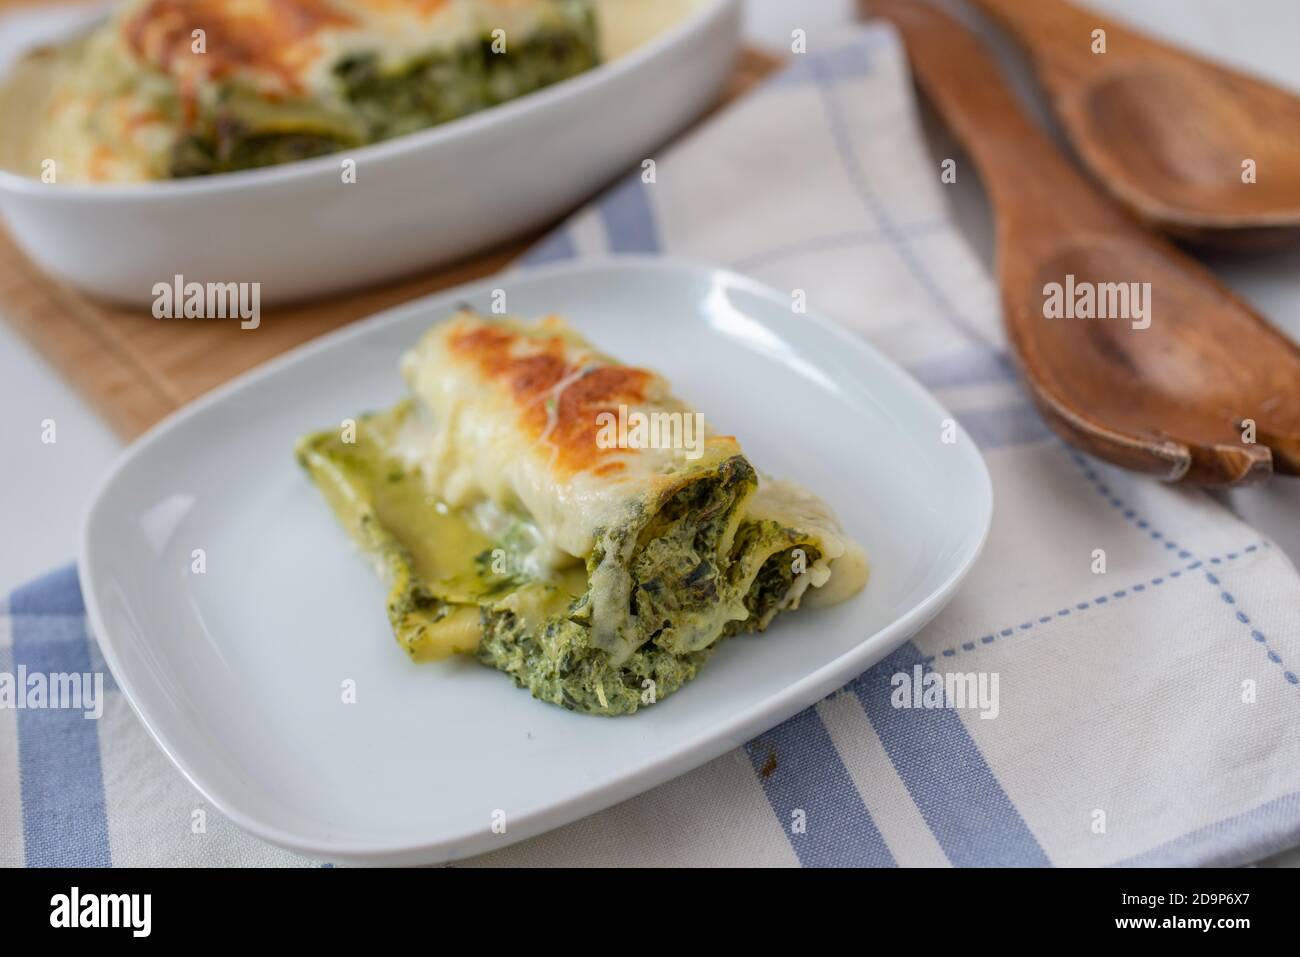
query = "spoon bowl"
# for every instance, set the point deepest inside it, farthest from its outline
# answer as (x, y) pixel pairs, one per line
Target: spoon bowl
(1176, 369)
(1197, 150)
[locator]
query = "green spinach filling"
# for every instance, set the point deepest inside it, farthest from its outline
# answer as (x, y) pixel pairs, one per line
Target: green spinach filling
(698, 572)
(377, 101)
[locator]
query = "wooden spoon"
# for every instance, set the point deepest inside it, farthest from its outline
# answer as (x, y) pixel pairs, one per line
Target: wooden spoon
(1167, 132)
(1176, 399)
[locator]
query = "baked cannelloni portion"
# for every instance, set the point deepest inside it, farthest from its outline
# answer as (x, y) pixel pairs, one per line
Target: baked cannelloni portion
(566, 519)
(173, 88)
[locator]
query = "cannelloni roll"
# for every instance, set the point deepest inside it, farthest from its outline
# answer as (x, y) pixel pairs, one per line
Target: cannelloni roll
(175, 88)
(566, 519)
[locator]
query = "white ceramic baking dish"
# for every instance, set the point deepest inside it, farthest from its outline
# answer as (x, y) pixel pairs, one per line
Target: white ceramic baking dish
(423, 199)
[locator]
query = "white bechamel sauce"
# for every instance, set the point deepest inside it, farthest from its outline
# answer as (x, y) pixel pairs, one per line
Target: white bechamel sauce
(479, 453)
(479, 449)
(95, 112)
(627, 24)
(468, 440)
(841, 571)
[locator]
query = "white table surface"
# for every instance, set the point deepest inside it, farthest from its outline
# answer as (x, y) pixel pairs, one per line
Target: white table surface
(45, 487)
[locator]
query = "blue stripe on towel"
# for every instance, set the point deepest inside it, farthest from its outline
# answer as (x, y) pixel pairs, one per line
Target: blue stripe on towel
(629, 220)
(58, 593)
(62, 784)
(556, 246)
(833, 241)
(1259, 832)
(971, 366)
(953, 787)
(1014, 424)
(877, 212)
(853, 61)
(800, 770)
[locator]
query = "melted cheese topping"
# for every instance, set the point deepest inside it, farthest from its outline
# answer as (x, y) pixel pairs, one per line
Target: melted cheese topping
(288, 47)
(626, 24)
(500, 458)
(88, 115)
(109, 107)
(794, 506)
(508, 427)
(517, 423)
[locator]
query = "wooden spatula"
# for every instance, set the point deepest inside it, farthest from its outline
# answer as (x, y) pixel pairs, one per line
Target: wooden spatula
(1208, 393)
(1200, 151)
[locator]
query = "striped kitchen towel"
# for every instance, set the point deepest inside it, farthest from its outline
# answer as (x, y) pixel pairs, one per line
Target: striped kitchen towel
(1147, 713)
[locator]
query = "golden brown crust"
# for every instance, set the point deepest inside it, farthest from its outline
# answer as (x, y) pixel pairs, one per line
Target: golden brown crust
(559, 395)
(271, 37)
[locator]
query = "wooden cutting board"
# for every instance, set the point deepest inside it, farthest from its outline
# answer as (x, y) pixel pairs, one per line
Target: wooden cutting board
(133, 369)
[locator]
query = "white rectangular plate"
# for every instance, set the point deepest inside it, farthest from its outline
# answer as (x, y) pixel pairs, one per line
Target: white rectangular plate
(238, 673)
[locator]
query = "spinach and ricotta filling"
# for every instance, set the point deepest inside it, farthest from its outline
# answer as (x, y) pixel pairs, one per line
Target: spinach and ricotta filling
(371, 100)
(178, 88)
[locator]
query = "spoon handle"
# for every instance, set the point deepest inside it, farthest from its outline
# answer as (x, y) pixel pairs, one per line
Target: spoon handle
(1049, 26)
(1169, 400)
(1062, 40)
(1030, 182)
